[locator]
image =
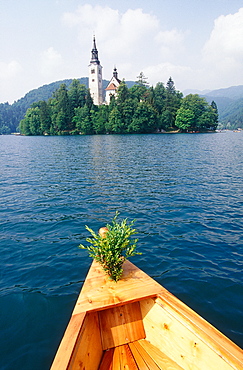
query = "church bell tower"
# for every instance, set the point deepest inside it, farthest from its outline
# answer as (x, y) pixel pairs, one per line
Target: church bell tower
(95, 77)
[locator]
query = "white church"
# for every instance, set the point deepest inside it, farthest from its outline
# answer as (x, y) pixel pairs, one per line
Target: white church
(95, 80)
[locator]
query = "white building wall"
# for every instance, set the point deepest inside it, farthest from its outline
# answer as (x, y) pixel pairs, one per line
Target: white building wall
(95, 83)
(110, 92)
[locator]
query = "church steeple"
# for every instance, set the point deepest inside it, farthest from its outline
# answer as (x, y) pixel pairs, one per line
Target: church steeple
(94, 53)
(95, 76)
(115, 74)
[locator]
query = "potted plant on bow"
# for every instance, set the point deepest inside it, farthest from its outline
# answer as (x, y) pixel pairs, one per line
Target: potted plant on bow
(112, 245)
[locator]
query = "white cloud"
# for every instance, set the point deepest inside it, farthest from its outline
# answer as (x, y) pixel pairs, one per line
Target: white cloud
(50, 60)
(9, 70)
(224, 49)
(132, 40)
(10, 78)
(162, 72)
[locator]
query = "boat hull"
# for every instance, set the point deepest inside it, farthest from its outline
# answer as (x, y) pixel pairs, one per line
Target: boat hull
(137, 324)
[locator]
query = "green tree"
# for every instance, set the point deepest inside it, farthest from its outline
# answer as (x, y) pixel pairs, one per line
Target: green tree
(159, 97)
(82, 120)
(144, 119)
(115, 124)
(195, 114)
(45, 117)
(184, 119)
(140, 89)
(100, 119)
(77, 95)
(62, 114)
(30, 125)
(215, 112)
(170, 87)
(172, 104)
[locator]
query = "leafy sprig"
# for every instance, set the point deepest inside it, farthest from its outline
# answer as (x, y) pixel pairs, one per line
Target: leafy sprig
(113, 248)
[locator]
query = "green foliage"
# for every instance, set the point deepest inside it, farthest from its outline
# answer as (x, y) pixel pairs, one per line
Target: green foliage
(195, 114)
(232, 116)
(139, 109)
(113, 249)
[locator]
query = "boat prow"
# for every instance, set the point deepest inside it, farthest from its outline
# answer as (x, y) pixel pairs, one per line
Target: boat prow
(137, 324)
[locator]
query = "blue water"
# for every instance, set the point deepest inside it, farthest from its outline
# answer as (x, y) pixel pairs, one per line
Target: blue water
(185, 192)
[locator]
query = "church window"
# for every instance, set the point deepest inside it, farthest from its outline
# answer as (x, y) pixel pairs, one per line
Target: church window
(92, 71)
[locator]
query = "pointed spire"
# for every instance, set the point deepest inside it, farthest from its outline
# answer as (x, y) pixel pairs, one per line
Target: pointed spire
(94, 53)
(115, 73)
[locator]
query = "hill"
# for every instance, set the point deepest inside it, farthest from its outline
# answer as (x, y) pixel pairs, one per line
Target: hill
(228, 100)
(11, 115)
(230, 106)
(233, 92)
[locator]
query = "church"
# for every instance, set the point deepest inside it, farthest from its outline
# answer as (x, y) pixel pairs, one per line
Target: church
(95, 80)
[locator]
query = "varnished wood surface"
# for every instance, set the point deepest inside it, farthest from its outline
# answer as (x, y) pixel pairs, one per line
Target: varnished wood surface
(100, 292)
(137, 355)
(120, 325)
(120, 315)
(68, 342)
(186, 338)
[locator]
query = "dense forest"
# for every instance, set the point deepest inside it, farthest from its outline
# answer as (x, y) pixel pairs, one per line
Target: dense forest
(138, 109)
(229, 103)
(11, 115)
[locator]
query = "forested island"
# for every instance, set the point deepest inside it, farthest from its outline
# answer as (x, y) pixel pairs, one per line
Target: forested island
(138, 109)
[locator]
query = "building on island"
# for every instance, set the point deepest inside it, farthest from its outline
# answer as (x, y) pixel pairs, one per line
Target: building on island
(112, 87)
(95, 80)
(95, 76)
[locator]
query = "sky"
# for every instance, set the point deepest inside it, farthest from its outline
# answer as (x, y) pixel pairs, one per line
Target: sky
(199, 43)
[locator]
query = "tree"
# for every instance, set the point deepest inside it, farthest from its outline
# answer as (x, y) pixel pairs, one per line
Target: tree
(45, 117)
(62, 109)
(172, 104)
(76, 94)
(30, 125)
(195, 114)
(142, 80)
(184, 119)
(159, 97)
(215, 111)
(82, 120)
(100, 119)
(140, 89)
(122, 93)
(170, 86)
(144, 119)
(115, 124)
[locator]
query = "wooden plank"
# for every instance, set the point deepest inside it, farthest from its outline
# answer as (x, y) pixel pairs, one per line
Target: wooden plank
(171, 331)
(68, 342)
(146, 357)
(100, 292)
(106, 363)
(161, 360)
(116, 360)
(88, 350)
(120, 325)
(222, 345)
(126, 360)
(138, 358)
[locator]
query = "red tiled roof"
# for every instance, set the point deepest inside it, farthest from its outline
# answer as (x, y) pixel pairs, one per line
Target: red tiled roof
(111, 87)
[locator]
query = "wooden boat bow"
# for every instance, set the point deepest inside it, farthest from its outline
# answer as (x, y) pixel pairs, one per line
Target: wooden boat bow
(136, 323)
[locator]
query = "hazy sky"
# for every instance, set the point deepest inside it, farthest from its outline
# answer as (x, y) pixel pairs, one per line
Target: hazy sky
(199, 43)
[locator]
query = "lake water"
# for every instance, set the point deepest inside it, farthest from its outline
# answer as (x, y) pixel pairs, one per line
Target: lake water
(185, 192)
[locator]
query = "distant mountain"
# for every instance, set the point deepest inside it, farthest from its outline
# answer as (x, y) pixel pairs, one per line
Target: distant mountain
(11, 115)
(194, 91)
(233, 92)
(228, 100)
(230, 106)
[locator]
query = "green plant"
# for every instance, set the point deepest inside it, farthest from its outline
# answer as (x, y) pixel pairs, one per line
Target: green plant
(112, 246)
